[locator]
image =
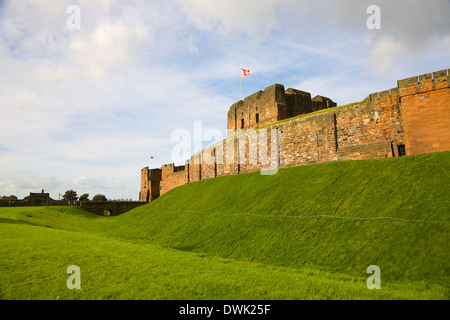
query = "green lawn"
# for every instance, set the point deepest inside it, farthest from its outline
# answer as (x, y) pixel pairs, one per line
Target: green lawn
(308, 232)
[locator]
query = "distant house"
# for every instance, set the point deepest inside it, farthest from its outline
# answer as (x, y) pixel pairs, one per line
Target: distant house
(33, 200)
(39, 199)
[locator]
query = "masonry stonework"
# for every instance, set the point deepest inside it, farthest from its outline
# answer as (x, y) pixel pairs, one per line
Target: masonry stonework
(426, 112)
(271, 105)
(150, 184)
(172, 176)
(412, 118)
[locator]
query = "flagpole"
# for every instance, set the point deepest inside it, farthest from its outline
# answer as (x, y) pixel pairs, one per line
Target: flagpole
(244, 73)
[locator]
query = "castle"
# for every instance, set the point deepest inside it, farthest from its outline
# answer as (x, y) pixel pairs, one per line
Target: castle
(278, 128)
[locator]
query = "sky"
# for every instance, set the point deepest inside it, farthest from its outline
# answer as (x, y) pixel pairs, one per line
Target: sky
(86, 108)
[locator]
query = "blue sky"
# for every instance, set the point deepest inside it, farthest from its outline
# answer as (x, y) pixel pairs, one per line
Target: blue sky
(84, 109)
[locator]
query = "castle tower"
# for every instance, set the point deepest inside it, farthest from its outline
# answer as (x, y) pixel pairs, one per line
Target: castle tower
(150, 184)
(272, 105)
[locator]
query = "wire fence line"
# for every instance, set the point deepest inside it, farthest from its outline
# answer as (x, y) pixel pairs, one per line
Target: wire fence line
(307, 217)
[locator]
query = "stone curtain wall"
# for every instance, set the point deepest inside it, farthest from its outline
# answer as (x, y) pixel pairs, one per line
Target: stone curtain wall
(360, 131)
(372, 129)
(415, 115)
(172, 177)
(425, 104)
(307, 140)
(173, 180)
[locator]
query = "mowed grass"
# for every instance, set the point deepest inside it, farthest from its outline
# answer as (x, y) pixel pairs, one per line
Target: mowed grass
(34, 261)
(307, 232)
(337, 217)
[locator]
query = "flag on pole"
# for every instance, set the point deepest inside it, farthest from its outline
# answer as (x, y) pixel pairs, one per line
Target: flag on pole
(245, 72)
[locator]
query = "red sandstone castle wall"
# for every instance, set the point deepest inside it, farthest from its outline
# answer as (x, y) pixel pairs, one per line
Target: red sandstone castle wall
(416, 114)
(150, 184)
(425, 103)
(367, 130)
(227, 157)
(209, 163)
(195, 173)
(173, 176)
(144, 194)
(254, 150)
(372, 129)
(307, 140)
(173, 180)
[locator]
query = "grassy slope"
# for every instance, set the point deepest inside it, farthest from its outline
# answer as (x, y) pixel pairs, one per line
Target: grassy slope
(107, 272)
(34, 259)
(282, 232)
(270, 226)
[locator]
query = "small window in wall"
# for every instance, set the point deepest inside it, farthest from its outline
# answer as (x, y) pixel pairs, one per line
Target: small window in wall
(257, 117)
(401, 150)
(242, 123)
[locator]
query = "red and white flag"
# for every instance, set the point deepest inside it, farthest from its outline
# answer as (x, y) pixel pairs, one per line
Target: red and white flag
(245, 72)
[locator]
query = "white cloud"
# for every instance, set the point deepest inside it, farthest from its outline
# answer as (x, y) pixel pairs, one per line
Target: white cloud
(386, 52)
(407, 31)
(445, 44)
(340, 90)
(17, 185)
(110, 47)
(251, 16)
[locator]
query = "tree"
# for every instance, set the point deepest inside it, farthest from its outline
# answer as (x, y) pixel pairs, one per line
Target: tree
(10, 198)
(99, 197)
(70, 195)
(84, 197)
